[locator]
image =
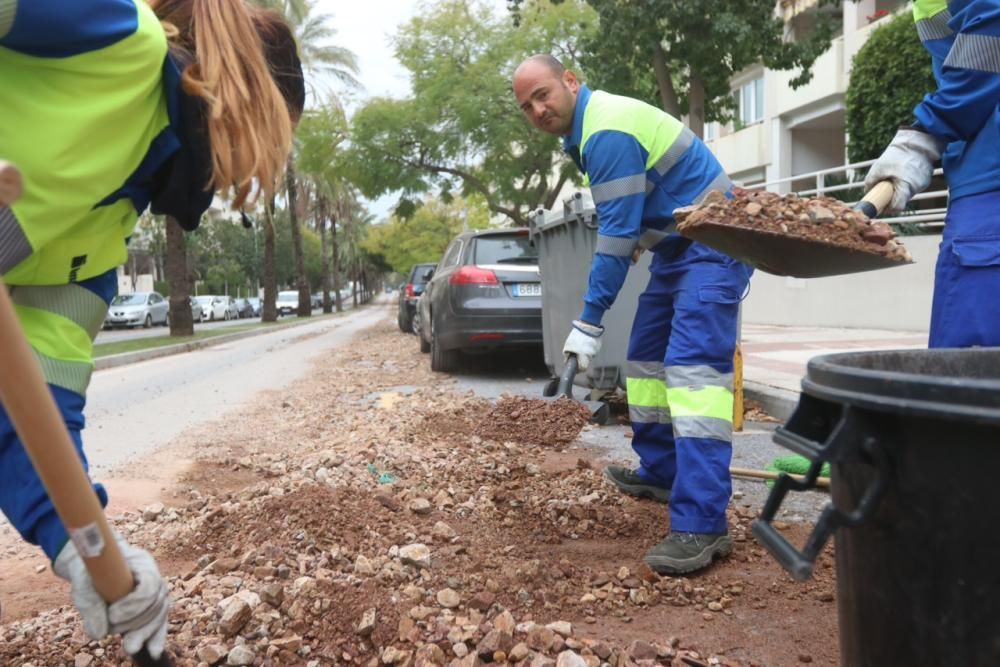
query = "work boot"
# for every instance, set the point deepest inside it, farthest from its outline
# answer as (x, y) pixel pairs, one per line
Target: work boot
(630, 482)
(681, 553)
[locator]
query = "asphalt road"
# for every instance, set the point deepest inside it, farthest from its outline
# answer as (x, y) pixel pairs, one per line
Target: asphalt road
(133, 410)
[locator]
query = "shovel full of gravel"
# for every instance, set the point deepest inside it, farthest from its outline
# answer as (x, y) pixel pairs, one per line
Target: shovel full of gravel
(791, 236)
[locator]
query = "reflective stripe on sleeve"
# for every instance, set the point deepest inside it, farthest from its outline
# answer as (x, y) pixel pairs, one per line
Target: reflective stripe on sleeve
(720, 183)
(616, 245)
(14, 245)
(674, 153)
(619, 187)
(935, 27)
(978, 52)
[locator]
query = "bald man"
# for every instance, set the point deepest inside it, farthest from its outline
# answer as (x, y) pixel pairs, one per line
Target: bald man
(641, 164)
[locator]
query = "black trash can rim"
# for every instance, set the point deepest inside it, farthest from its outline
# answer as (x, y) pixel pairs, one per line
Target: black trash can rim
(962, 384)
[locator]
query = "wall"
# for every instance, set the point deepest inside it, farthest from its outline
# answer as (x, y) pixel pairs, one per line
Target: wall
(897, 299)
(815, 149)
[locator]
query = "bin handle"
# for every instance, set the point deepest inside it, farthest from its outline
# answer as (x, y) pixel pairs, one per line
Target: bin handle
(800, 563)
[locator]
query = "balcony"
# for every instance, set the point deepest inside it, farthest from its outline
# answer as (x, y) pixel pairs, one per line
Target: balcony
(743, 150)
(829, 80)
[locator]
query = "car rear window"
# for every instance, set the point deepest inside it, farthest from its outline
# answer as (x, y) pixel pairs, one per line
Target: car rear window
(514, 249)
(420, 272)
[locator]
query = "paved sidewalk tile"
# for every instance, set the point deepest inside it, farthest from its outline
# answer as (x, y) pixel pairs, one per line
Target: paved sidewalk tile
(776, 356)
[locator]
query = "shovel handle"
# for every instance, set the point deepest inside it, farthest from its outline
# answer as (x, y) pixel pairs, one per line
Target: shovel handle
(876, 199)
(568, 375)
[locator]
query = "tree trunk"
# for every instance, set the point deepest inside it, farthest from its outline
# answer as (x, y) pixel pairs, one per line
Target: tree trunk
(696, 105)
(291, 182)
(668, 96)
(181, 321)
(335, 251)
(321, 214)
(269, 308)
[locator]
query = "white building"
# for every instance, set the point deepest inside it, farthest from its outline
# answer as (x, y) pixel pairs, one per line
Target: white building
(780, 132)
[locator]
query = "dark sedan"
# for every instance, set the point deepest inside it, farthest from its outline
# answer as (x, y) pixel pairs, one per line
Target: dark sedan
(485, 294)
(410, 292)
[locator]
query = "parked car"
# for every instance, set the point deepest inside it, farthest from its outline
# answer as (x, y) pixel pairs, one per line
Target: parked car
(244, 308)
(288, 302)
(213, 307)
(410, 293)
(255, 303)
(137, 309)
(317, 300)
(196, 311)
(485, 294)
(232, 310)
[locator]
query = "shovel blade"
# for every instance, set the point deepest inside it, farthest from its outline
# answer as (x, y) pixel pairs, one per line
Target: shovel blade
(784, 255)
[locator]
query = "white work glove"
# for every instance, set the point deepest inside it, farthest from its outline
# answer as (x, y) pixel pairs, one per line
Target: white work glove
(140, 617)
(909, 163)
(584, 341)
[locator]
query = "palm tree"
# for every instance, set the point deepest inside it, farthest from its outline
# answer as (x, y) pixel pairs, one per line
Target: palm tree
(320, 134)
(320, 58)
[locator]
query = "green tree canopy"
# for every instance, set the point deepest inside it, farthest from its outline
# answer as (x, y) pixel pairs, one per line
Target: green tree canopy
(890, 75)
(461, 130)
(422, 238)
(681, 55)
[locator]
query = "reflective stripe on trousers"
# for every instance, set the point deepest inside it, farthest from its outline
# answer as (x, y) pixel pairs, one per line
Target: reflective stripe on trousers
(61, 322)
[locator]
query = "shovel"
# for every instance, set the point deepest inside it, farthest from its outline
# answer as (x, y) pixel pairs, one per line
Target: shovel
(36, 419)
(785, 255)
(600, 413)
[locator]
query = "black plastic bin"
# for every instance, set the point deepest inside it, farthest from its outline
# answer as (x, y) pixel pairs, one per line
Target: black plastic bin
(913, 438)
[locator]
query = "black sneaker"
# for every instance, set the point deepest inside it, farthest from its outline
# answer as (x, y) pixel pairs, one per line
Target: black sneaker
(681, 553)
(631, 483)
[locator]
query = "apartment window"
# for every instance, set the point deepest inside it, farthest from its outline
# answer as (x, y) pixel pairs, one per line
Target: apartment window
(711, 131)
(749, 103)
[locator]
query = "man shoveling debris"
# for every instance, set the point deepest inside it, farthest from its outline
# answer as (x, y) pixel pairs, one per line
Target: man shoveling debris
(144, 135)
(642, 164)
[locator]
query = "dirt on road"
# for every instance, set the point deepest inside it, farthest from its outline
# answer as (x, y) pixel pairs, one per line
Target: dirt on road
(351, 521)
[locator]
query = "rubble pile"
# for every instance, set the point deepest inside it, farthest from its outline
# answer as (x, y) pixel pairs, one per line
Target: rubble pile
(821, 219)
(325, 533)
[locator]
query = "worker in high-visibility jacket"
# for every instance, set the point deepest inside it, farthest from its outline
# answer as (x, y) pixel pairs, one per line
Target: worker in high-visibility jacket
(959, 124)
(107, 107)
(642, 164)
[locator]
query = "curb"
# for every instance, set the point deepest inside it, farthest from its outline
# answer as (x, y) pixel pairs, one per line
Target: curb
(125, 358)
(777, 402)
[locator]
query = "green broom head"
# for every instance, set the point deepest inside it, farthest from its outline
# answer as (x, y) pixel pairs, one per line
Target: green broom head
(794, 465)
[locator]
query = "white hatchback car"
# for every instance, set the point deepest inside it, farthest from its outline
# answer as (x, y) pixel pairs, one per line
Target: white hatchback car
(137, 309)
(213, 307)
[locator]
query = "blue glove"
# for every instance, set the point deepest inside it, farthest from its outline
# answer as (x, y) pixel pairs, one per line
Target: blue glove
(584, 341)
(909, 163)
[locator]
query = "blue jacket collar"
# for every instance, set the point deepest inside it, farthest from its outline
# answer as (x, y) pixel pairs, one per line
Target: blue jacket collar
(572, 140)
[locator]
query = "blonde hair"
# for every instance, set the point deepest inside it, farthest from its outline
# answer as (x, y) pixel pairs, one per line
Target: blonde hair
(248, 120)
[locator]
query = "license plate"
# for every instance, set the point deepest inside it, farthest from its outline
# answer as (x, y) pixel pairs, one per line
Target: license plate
(527, 289)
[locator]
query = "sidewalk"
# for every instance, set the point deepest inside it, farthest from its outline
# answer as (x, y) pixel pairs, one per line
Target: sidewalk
(775, 357)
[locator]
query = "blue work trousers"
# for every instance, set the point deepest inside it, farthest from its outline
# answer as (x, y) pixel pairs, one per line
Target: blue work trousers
(684, 334)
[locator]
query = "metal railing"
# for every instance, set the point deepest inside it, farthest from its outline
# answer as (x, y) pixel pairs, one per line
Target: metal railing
(928, 220)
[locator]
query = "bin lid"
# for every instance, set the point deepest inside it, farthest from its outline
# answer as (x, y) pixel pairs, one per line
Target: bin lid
(952, 383)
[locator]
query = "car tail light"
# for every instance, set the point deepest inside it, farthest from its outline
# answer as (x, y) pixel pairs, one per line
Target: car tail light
(486, 336)
(473, 275)
(409, 291)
